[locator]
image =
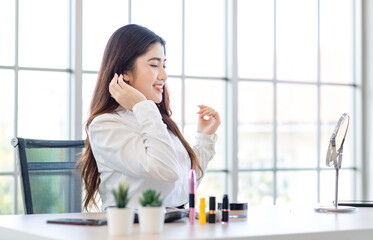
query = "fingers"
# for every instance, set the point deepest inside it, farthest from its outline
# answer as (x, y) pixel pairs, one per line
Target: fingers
(114, 80)
(209, 120)
(121, 82)
(207, 111)
(116, 84)
(112, 85)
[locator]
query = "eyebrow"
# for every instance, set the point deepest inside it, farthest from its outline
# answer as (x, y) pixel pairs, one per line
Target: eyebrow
(156, 59)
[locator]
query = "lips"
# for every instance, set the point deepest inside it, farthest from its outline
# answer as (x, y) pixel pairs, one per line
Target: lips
(158, 87)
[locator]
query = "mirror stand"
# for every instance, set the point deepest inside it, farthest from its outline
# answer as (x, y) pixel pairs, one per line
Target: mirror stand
(335, 208)
(334, 158)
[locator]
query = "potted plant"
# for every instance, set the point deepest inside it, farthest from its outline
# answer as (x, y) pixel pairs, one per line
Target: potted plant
(151, 212)
(120, 219)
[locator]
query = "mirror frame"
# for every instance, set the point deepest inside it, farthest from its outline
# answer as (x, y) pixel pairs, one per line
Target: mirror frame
(334, 154)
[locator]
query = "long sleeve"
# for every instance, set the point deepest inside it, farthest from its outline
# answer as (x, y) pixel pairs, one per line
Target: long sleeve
(136, 144)
(205, 149)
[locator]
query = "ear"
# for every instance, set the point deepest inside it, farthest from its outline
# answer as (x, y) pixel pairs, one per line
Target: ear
(126, 77)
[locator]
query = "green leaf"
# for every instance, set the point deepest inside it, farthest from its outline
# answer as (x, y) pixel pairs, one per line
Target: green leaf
(151, 198)
(121, 195)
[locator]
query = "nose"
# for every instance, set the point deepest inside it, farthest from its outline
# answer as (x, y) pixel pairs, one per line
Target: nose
(162, 75)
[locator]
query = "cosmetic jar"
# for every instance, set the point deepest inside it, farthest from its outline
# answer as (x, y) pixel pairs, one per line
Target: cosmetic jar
(237, 210)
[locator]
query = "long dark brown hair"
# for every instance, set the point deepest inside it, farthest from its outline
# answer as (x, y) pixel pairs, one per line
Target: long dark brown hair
(123, 48)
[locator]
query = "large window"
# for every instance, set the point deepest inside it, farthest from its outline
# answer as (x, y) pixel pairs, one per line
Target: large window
(296, 76)
(280, 73)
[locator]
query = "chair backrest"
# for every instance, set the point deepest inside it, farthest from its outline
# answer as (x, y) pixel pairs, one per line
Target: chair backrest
(50, 183)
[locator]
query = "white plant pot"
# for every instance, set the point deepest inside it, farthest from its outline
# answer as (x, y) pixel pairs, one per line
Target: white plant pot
(120, 220)
(151, 219)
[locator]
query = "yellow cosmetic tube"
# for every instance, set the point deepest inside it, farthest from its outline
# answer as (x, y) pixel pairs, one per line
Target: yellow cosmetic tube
(202, 213)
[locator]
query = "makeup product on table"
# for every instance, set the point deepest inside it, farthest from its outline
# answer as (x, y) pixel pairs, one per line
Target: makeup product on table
(212, 211)
(225, 209)
(237, 210)
(202, 213)
(192, 191)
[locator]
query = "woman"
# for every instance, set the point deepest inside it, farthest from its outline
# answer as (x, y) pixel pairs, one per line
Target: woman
(130, 134)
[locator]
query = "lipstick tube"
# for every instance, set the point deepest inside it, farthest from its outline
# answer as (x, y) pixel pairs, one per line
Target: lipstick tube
(212, 211)
(225, 209)
(192, 191)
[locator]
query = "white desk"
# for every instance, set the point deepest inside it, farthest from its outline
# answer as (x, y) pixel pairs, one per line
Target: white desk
(272, 222)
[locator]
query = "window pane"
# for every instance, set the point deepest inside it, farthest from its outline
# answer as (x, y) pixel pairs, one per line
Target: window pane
(346, 186)
(100, 20)
(7, 31)
(196, 94)
(6, 119)
(255, 39)
(255, 102)
(6, 194)
(255, 125)
(205, 38)
(336, 100)
(174, 85)
(256, 188)
(213, 184)
(297, 146)
(296, 40)
(20, 206)
(336, 40)
(167, 25)
(89, 84)
(43, 105)
(44, 33)
(298, 187)
(297, 125)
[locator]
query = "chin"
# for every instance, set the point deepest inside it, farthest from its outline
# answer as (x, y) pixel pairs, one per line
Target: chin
(158, 100)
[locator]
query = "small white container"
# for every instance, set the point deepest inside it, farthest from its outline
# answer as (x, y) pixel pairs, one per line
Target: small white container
(151, 219)
(120, 220)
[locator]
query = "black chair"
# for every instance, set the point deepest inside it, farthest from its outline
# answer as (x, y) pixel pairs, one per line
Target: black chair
(50, 182)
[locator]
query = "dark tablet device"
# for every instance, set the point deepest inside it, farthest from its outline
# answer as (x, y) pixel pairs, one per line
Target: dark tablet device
(170, 216)
(79, 221)
(355, 203)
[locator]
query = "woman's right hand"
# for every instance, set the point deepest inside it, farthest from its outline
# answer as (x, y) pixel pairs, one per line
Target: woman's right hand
(123, 93)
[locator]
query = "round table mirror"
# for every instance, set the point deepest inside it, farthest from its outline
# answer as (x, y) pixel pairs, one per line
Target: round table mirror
(334, 159)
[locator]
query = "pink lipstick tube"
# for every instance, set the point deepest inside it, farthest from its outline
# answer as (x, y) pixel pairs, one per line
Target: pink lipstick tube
(192, 192)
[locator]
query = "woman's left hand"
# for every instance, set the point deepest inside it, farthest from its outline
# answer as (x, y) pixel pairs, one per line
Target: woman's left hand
(208, 120)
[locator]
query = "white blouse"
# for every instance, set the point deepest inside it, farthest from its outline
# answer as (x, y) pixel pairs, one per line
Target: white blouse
(136, 147)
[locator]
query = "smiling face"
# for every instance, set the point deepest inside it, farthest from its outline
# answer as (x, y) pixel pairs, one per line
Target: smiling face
(149, 75)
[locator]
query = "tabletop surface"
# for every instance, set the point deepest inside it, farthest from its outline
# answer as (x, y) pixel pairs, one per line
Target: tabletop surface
(267, 222)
